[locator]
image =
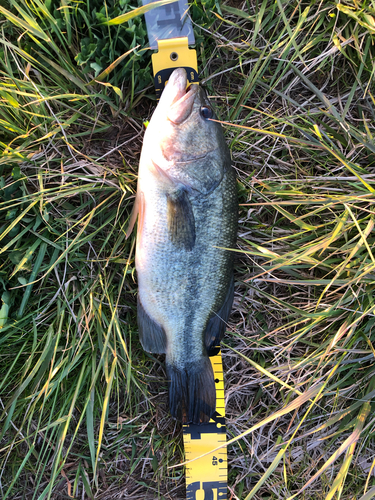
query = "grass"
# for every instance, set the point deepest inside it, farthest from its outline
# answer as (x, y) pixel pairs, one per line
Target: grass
(83, 410)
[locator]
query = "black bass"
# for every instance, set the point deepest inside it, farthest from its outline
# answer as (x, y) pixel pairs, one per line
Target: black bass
(187, 216)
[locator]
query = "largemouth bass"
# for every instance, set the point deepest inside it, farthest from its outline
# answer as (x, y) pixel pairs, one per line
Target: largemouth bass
(187, 217)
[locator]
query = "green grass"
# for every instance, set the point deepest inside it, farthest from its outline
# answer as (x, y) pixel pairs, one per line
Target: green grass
(83, 410)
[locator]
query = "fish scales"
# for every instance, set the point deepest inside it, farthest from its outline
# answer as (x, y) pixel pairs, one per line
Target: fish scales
(187, 202)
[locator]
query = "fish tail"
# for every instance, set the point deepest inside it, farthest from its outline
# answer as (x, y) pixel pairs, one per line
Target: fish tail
(192, 392)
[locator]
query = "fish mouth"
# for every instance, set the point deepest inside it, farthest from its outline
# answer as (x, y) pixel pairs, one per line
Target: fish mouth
(187, 94)
(182, 97)
(177, 86)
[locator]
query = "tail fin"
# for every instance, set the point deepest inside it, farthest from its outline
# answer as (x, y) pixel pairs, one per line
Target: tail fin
(192, 392)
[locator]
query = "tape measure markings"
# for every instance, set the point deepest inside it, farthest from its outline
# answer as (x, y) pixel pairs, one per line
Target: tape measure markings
(206, 477)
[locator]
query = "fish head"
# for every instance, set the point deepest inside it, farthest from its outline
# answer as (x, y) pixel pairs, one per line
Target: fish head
(183, 141)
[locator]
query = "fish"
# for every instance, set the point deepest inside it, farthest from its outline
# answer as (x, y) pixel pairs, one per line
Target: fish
(187, 210)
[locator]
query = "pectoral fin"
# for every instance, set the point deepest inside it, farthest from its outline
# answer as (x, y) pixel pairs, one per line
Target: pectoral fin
(181, 223)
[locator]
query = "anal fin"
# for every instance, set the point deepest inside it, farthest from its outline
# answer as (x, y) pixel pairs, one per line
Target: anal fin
(151, 334)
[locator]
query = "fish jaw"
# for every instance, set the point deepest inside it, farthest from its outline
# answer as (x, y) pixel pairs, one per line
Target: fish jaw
(175, 99)
(175, 88)
(182, 109)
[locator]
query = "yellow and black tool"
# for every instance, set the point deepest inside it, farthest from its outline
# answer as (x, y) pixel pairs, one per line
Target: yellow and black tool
(206, 478)
(170, 32)
(172, 54)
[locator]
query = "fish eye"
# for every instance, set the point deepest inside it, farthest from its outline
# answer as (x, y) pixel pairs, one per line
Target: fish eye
(206, 112)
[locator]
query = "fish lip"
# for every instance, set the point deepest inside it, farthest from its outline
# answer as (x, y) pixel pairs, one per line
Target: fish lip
(176, 86)
(192, 90)
(181, 109)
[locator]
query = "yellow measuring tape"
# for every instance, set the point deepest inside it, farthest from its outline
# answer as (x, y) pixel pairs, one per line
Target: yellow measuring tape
(206, 477)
